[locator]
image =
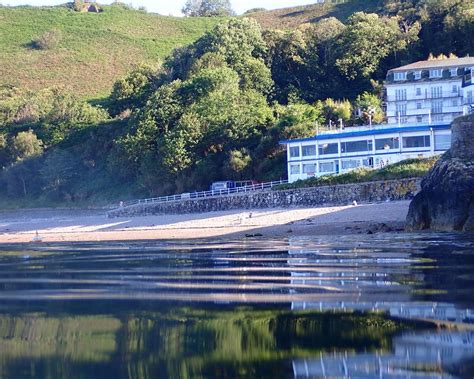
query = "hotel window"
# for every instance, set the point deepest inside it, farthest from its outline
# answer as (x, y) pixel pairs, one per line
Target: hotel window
(294, 152)
(387, 143)
(418, 91)
(400, 94)
(454, 103)
(417, 75)
(436, 107)
(437, 73)
(419, 119)
(418, 141)
(418, 105)
(436, 92)
(326, 167)
(455, 88)
(356, 146)
(309, 150)
(309, 168)
(442, 142)
(469, 97)
(328, 148)
(399, 76)
(453, 71)
(401, 109)
(350, 164)
(295, 169)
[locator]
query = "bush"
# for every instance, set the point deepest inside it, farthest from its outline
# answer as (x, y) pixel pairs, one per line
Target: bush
(48, 41)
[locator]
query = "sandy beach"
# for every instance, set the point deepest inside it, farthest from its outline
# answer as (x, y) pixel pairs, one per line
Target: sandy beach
(93, 225)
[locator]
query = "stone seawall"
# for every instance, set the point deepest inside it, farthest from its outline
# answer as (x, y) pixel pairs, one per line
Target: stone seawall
(403, 189)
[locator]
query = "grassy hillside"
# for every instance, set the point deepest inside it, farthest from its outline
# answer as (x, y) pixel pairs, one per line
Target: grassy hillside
(93, 49)
(288, 18)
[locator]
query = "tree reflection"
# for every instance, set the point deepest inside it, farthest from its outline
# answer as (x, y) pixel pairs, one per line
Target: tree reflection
(183, 342)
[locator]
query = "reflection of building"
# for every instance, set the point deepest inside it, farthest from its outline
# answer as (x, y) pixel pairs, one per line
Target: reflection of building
(432, 351)
(422, 100)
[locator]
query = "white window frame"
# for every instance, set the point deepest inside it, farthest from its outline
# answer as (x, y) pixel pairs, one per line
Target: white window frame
(398, 76)
(436, 73)
(292, 166)
(453, 72)
(418, 91)
(417, 75)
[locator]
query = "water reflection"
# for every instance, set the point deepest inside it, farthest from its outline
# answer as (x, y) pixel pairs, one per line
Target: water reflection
(326, 307)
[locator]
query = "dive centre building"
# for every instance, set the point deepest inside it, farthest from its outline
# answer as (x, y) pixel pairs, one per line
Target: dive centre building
(422, 100)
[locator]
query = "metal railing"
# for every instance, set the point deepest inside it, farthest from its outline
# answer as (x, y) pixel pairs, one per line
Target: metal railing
(203, 194)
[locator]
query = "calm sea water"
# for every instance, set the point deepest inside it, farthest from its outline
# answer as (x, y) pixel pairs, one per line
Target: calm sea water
(385, 306)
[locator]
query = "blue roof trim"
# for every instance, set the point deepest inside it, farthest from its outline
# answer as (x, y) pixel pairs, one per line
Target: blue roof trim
(360, 133)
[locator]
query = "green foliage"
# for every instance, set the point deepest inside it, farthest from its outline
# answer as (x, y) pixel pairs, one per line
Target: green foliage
(299, 120)
(409, 168)
(369, 105)
(130, 91)
(26, 145)
(336, 110)
(367, 40)
(207, 8)
(94, 50)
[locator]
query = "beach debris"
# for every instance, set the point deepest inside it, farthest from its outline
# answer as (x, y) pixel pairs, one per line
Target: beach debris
(250, 214)
(354, 203)
(37, 238)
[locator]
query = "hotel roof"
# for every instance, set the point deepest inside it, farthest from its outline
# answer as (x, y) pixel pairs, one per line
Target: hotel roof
(436, 63)
(386, 129)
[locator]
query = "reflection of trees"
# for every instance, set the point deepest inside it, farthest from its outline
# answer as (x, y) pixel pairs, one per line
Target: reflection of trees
(183, 342)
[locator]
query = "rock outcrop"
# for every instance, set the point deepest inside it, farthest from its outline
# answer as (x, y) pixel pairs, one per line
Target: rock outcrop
(446, 199)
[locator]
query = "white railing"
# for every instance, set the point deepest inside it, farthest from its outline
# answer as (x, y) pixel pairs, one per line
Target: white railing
(204, 194)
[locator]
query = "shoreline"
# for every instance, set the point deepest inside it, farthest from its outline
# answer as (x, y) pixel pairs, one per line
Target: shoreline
(93, 226)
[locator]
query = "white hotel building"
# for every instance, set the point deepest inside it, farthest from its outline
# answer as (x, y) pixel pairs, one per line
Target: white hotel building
(422, 100)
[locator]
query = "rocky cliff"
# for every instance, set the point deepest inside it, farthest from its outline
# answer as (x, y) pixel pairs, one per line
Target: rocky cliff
(446, 199)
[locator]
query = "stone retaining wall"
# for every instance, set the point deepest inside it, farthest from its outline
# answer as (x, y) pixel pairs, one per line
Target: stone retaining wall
(316, 196)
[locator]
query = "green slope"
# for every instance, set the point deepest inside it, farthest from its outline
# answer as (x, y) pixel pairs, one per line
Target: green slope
(288, 18)
(94, 49)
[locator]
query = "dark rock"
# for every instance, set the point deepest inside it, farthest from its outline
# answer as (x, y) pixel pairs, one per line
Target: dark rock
(446, 199)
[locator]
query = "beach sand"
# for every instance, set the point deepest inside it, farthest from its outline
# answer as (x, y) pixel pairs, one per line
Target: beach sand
(93, 225)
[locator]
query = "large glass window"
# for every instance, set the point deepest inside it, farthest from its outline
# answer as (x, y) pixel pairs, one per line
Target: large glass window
(294, 169)
(436, 92)
(309, 150)
(328, 148)
(355, 146)
(418, 141)
(401, 109)
(387, 143)
(400, 94)
(436, 107)
(309, 168)
(294, 151)
(350, 164)
(326, 167)
(442, 142)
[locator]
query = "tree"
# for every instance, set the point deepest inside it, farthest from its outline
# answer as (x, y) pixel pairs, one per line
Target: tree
(369, 106)
(299, 120)
(367, 40)
(130, 91)
(26, 145)
(207, 8)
